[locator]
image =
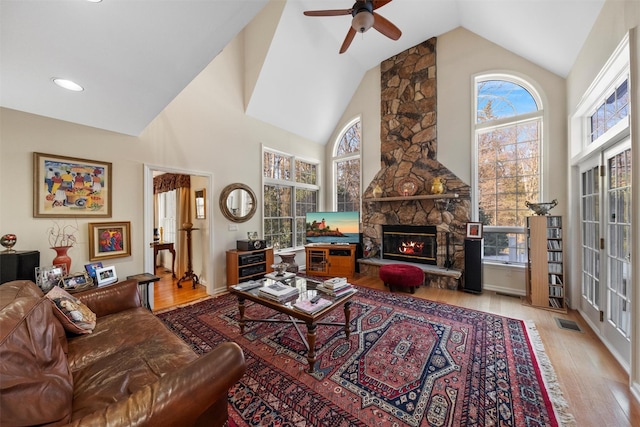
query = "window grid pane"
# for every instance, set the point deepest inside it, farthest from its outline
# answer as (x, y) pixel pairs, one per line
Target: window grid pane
(508, 172)
(348, 185)
(350, 141)
(347, 170)
(285, 204)
(277, 166)
(306, 173)
(505, 247)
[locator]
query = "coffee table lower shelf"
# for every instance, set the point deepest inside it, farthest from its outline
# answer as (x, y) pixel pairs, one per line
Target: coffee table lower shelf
(296, 318)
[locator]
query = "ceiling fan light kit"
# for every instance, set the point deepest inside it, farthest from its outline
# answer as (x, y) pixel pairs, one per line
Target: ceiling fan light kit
(364, 18)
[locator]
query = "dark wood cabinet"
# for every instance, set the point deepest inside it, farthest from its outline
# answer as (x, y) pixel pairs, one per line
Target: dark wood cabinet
(248, 265)
(19, 265)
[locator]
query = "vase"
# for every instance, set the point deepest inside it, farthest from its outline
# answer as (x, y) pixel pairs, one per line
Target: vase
(289, 259)
(62, 257)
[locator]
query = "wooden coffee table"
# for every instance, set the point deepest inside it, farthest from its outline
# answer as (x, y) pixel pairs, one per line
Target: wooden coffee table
(296, 317)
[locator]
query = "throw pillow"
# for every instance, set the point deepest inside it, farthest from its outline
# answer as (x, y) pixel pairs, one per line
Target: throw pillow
(73, 314)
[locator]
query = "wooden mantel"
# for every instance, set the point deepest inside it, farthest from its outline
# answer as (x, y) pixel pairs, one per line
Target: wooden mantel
(417, 197)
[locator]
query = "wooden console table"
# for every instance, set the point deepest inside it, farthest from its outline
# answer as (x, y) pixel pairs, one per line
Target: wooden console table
(157, 246)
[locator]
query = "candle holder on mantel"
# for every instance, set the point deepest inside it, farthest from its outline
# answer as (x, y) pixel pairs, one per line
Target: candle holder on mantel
(189, 274)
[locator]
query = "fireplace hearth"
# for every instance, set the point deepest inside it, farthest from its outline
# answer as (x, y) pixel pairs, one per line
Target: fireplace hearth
(412, 243)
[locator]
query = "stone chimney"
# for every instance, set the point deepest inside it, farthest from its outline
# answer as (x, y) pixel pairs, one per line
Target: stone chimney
(409, 141)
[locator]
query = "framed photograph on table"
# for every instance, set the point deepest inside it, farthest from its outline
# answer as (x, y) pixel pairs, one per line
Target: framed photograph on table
(109, 240)
(70, 187)
(474, 230)
(91, 269)
(48, 277)
(75, 280)
(106, 275)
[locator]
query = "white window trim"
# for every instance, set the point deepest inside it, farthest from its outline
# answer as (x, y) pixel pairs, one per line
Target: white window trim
(614, 72)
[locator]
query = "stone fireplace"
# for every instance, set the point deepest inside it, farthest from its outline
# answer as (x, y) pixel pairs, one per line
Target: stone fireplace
(409, 153)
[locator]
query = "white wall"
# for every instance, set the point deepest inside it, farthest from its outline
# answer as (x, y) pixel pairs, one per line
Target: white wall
(616, 18)
(462, 54)
(203, 129)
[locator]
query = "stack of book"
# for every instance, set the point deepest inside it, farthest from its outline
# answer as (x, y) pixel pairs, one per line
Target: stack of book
(247, 286)
(278, 292)
(336, 287)
(311, 307)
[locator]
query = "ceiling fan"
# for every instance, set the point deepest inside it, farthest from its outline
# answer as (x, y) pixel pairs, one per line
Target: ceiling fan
(364, 18)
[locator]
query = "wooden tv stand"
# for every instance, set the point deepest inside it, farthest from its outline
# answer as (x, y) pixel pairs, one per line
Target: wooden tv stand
(330, 260)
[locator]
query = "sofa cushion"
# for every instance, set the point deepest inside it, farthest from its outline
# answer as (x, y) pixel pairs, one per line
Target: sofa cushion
(74, 315)
(36, 386)
(126, 352)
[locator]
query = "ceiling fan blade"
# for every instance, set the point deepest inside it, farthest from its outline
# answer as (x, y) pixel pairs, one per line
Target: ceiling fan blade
(379, 3)
(385, 26)
(347, 40)
(334, 12)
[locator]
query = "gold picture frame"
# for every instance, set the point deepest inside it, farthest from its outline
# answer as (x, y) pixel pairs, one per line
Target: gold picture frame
(109, 240)
(70, 187)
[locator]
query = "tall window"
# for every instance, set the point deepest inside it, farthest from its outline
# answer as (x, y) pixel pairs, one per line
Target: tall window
(508, 137)
(346, 168)
(290, 189)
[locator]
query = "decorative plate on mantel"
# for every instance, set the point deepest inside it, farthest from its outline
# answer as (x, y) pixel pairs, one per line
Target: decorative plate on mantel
(407, 186)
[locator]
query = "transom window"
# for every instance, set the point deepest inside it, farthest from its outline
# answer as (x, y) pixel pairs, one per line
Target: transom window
(290, 190)
(508, 138)
(611, 111)
(346, 168)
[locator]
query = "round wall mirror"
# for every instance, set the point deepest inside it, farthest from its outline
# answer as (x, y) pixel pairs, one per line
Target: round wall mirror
(238, 202)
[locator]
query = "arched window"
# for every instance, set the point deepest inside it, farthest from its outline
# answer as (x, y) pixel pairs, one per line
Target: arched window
(508, 140)
(346, 168)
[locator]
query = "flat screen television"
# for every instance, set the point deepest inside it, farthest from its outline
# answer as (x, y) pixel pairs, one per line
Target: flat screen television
(333, 227)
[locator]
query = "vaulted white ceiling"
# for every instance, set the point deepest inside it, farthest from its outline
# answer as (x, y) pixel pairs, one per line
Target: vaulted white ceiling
(134, 56)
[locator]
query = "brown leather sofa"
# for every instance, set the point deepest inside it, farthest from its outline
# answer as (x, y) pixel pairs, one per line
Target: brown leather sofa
(131, 370)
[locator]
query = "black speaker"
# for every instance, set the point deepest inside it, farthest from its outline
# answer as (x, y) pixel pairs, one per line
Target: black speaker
(473, 265)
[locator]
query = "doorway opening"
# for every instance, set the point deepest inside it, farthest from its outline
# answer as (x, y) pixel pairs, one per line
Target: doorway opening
(169, 294)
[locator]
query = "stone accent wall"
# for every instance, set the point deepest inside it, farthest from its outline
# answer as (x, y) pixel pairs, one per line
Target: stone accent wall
(409, 141)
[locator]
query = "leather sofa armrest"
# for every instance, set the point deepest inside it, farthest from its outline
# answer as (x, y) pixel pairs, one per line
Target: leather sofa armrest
(180, 397)
(111, 299)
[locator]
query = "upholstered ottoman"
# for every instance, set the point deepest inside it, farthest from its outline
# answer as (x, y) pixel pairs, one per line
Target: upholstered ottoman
(401, 276)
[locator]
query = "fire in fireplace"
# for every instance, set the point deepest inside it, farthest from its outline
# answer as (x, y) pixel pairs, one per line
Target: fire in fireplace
(413, 243)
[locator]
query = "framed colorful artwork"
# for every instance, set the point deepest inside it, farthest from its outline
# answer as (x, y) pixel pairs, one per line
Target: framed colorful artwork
(70, 187)
(109, 240)
(474, 230)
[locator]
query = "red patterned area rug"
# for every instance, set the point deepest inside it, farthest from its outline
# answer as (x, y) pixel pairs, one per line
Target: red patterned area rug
(408, 362)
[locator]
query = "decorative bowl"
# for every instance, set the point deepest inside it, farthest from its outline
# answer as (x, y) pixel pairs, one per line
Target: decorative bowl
(542, 208)
(280, 268)
(8, 241)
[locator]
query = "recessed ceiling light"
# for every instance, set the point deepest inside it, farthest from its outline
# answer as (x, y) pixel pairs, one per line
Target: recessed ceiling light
(94, 1)
(67, 84)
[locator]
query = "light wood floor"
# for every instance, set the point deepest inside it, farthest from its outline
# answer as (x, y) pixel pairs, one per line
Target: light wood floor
(594, 385)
